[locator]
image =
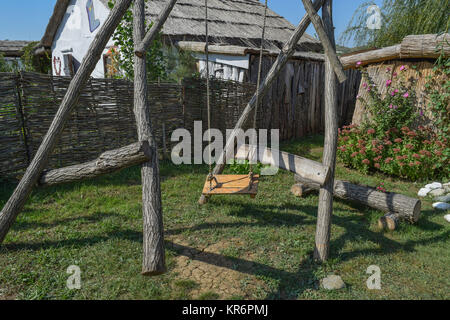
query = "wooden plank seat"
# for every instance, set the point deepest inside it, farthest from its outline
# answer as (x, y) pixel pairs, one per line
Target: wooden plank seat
(233, 184)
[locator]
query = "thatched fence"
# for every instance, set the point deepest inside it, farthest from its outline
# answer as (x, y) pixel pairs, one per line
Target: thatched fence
(104, 120)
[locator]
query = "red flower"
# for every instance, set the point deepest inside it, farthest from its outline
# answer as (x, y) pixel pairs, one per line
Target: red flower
(415, 155)
(409, 146)
(388, 143)
(388, 160)
(418, 163)
(423, 152)
(399, 158)
(412, 164)
(396, 150)
(377, 165)
(398, 140)
(439, 153)
(401, 164)
(371, 131)
(366, 161)
(354, 154)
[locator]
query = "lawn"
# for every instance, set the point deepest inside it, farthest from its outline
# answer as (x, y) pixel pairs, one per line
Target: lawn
(232, 248)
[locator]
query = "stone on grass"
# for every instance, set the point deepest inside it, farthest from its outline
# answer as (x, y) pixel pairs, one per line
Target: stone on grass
(437, 193)
(441, 206)
(447, 217)
(443, 198)
(333, 282)
(447, 187)
(423, 192)
(434, 185)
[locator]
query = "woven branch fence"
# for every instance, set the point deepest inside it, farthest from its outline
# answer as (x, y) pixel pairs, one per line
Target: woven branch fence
(103, 118)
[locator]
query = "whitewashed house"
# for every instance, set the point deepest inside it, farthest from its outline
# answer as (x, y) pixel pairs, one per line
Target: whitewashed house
(234, 27)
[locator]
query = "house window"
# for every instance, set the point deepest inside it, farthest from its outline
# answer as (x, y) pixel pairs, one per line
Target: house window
(69, 68)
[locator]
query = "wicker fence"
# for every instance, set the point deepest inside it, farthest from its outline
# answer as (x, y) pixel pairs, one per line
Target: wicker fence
(103, 118)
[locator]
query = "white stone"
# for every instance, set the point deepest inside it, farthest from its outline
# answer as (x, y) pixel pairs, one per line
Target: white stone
(333, 283)
(447, 217)
(441, 206)
(434, 185)
(437, 193)
(443, 198)
(423, 192)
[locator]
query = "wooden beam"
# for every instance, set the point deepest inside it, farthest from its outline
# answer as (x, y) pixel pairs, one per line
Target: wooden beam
(325, 209)
(308, 169)
(17, 200)
(328, 44)
(284, 56)
(107, 162)
(406, 207)
(153, 262)
(143, 45)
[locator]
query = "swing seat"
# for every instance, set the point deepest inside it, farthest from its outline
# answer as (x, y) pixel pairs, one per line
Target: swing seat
(232, 184)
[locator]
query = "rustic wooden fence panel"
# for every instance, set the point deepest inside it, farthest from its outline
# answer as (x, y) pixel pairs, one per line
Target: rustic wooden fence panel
(103, 118)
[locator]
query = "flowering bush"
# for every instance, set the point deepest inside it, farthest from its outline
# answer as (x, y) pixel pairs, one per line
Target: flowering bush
(386, 142)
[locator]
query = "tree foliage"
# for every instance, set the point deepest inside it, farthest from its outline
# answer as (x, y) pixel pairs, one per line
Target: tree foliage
(123, 39)
(399, 19)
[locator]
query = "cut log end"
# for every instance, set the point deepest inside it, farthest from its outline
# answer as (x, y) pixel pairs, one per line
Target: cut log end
(390, 221)
(300, 190)
(203, 200)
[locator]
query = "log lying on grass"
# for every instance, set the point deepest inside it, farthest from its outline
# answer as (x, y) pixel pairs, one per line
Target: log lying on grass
(107, 162)
(389, 221)
(309, 169)
(405, 208)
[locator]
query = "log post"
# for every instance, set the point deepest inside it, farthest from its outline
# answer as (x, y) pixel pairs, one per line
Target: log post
(282, 59)
(325, 209)
(153, 232)
(327, 39)
(107, 162)
(408, 208)
(17, 200)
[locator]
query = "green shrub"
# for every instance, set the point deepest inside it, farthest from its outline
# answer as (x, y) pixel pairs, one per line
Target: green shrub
(386, 140)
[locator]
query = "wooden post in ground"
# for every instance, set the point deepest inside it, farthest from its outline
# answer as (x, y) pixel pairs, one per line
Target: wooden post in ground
(17, 200)
(283, 58)
(153, 262)
(325, 210)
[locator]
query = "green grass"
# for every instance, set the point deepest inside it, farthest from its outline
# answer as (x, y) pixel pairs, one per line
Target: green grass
(97, 225)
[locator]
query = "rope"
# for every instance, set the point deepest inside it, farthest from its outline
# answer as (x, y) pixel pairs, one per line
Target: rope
(208, 105)
(258, 83)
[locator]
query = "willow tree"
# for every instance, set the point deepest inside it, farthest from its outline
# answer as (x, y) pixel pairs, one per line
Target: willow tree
(399, 18)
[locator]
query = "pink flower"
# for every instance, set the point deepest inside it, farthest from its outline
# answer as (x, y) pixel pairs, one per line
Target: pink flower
(392, 94)
(388, 83)
(402, 68)
(394, 74)
(371, 131)
(406, 95)
(364, 85)
(366, 161)
(359, 63)
(377, 165)
(391, 106)
(388, 70)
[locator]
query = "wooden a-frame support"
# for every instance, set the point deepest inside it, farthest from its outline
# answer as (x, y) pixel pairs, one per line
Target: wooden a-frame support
(334, 67)
(153, 258)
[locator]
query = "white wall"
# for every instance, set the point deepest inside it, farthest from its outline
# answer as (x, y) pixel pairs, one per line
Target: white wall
(74, 35)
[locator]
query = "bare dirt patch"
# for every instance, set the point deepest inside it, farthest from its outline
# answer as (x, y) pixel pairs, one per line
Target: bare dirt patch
(214, 272)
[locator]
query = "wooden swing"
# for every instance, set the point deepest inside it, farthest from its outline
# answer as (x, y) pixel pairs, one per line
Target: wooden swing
(233, 184)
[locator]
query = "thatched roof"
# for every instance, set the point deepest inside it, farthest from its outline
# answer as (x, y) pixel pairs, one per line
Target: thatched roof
(199, 47)
(231, 22)
(13, 48)
(426, 46)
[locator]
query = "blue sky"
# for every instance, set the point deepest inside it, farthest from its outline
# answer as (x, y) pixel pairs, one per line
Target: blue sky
(27, 19)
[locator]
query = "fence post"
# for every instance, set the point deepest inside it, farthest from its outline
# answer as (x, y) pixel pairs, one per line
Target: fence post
(21, 114)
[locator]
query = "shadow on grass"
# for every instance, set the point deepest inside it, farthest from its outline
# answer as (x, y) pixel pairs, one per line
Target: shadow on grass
(289, 284)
